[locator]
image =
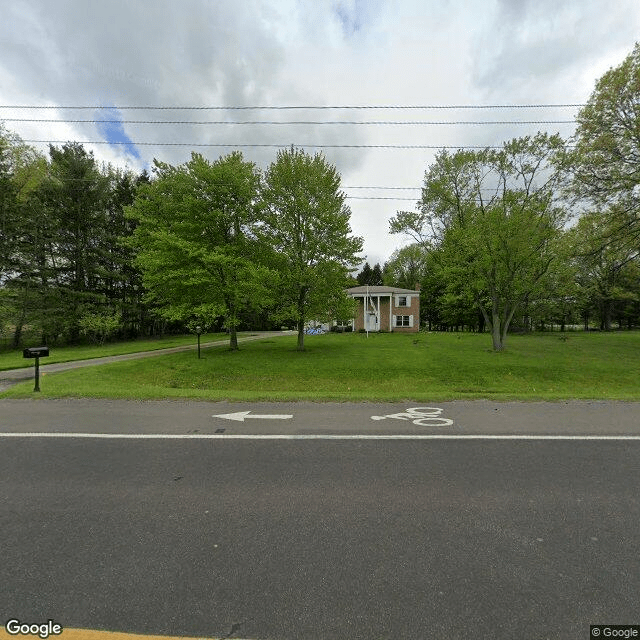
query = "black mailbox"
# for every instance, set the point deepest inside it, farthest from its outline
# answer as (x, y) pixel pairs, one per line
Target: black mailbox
(35, 352)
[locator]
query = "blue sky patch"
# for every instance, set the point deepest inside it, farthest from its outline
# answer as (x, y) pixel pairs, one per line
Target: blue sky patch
(111, 128)
(350, 16)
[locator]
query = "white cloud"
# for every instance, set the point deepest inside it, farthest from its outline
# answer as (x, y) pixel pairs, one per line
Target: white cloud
(309, 52)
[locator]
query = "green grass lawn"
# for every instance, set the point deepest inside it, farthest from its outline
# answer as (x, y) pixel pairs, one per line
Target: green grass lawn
(14, 359)
(383, 367)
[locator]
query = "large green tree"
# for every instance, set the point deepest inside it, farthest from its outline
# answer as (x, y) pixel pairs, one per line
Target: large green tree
(73, 199)
(23, 221)
(8, 208)
(370, 275)
(195, 241)
(406, 267)
(492, 217)
(306, 221)
(606, 272)
(606, 158)
(121, 283)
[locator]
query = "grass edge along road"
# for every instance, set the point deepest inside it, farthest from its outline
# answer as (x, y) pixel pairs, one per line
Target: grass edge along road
(14, 360)
(381, 367)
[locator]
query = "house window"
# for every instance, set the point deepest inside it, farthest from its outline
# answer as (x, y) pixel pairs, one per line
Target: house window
(402, 301)
(403, 321)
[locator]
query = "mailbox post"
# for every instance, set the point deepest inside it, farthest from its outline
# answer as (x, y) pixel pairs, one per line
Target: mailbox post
(198, 332)
(37, 353)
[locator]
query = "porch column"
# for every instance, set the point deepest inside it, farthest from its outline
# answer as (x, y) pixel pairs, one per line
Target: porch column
(390, 312)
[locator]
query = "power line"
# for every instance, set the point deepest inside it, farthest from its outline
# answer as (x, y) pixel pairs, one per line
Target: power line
(300, 107)
(294, 122)
(271, 146)
(397, 188)
(378, 198)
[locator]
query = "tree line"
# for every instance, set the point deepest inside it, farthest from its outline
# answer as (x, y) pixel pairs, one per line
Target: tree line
(538, 231)
(93, 252)
(63, 271)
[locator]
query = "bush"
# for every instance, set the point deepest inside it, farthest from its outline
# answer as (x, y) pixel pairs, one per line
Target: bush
(99, 325)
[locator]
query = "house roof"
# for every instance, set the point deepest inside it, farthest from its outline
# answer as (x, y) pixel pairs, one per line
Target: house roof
(380, 290)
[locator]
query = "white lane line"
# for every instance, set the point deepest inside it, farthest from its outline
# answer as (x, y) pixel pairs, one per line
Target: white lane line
(236, 436)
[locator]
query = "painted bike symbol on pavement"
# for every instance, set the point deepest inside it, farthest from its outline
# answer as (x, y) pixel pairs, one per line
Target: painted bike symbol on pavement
(423, 416)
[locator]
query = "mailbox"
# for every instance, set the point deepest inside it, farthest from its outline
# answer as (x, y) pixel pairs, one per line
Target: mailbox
(35, 352)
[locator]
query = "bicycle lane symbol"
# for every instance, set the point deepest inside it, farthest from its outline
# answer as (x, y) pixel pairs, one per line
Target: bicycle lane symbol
(422, 416)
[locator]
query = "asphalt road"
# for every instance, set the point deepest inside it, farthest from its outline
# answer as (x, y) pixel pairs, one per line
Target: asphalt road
(331, 525)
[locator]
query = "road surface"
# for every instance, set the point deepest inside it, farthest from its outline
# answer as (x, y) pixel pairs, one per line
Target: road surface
(341, 521)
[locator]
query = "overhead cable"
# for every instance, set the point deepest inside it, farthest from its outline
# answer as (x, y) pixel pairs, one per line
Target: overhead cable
(294, 122)
(272, 146)
(294, 107)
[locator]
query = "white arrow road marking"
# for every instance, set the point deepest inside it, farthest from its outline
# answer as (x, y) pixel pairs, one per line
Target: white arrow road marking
(241, 416)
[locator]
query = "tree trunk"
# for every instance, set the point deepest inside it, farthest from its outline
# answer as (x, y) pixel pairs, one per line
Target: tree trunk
(233, 338)
(606, 314)
(231, 322)
(496, 334)
(506, 323)
(493, 324)
(17, 334)
(481, 322)
(302, 294)
(300, 346)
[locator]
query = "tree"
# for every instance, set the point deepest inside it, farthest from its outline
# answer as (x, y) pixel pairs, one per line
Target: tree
(406, 267)
(364, 276)
(22, 238)
(74, 198)
(376, 275)
(370, 276)
(61, 262)
(605, 271)
(492, 217)
(8, 209)
(195, 240)
(21, 170)
(306, 222)
(606, 158)
(122, 286)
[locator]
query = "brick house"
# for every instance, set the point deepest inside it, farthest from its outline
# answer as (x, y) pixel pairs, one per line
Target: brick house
(383, 308)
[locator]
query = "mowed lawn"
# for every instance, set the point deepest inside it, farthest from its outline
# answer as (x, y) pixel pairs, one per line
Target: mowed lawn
(382, 367)
(15, 360)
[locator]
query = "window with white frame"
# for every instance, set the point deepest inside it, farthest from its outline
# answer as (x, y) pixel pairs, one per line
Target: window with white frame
(404, 321)
(402, 301)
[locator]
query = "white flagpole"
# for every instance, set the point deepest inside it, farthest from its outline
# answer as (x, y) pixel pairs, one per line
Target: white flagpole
(366, 317)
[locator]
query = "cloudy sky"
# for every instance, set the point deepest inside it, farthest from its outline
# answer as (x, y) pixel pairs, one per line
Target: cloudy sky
(225, 54)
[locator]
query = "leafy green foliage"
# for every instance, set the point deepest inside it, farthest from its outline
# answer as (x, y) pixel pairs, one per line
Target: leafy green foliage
(306, 222)
(195, 240)
(607, 274)
(606, 160)
(406, 267)
(490, 220)
(99, 326)
(370, 275)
